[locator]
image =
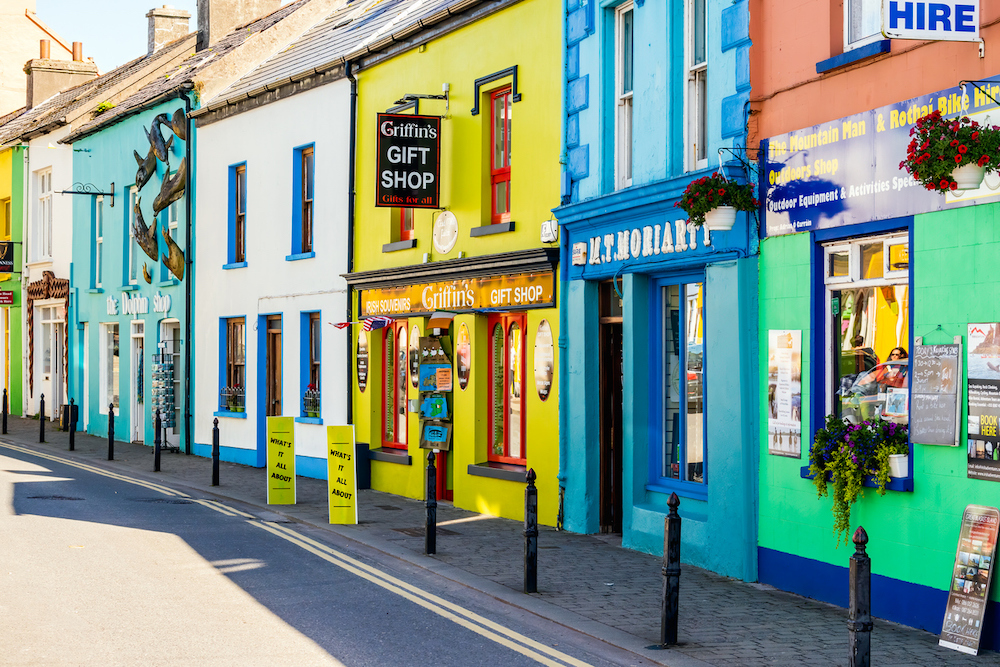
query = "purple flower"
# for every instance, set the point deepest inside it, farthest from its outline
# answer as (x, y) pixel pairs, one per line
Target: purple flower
(854, 459)
(851, 445)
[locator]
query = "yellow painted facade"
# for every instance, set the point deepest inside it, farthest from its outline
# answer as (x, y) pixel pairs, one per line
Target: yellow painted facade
(525, 34)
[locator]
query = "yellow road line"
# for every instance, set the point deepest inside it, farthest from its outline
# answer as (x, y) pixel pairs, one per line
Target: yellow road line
(212, 506)
(417, 596)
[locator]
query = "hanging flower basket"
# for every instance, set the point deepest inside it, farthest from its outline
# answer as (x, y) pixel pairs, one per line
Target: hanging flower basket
(951, 154)
(710, 193)
(720, 219)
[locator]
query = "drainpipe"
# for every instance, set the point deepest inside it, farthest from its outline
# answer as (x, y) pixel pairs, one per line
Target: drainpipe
(188, 287)
(25, 173)
(563, 341)
(350, 230)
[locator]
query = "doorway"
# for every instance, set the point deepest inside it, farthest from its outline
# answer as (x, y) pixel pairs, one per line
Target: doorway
(273, 365)
(53, 369)
(170, 346)
(610, 315)
(136, 419)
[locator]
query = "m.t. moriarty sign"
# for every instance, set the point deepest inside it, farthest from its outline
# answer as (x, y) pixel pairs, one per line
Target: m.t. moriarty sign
(409, 161)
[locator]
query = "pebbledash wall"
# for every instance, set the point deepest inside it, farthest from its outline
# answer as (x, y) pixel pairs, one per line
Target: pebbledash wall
(12, 193)
(953, 277)
(276, 278)
(145, 314)
(679, 413)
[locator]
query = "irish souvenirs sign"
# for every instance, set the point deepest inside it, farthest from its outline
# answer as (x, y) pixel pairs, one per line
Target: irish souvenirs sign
(970, 580)
(340, 474)
(280, 460)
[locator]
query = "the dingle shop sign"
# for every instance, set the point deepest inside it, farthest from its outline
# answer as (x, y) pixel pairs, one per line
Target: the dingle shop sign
(535, 290)
(409, 161)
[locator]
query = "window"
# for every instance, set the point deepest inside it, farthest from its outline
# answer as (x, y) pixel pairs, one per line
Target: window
(681, 412)
(109, 366)
(315, 351)
(697, 88)
(237, 214)
(133, 246)
(306, 197)
(404, 216)
(862, 22)
(170, 223)
(500, 122)
(98, 241)
(506, 388)
(311, 331)
(868, 328)
(624, 50)
(5, 221)
(236, 352)
(394, 384)
(43, 228)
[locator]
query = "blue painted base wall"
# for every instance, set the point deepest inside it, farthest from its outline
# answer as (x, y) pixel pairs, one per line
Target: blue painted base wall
(892, 599)
(305, 466)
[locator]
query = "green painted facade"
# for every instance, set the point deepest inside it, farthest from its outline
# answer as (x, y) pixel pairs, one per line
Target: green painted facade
(12, 188)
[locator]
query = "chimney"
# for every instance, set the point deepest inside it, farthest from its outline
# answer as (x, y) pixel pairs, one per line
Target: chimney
(46, 77)
(217, 18)
(165, 25)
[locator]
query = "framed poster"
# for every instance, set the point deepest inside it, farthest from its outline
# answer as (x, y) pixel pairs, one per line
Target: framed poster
(362, 361)
(784, 393)
(970, 580)
(463, 353)
(984, 402)
(544, 360)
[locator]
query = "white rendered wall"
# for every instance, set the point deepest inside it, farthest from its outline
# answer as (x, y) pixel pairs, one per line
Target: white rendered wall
(265, 138)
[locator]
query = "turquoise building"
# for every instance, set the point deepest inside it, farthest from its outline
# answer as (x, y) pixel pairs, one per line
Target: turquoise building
(658, 341)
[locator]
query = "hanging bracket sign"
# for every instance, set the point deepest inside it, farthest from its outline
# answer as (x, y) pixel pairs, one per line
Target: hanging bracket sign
(409, 161)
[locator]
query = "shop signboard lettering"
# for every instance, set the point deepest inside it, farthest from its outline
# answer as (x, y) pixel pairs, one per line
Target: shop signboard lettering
(341, 479)
(847, 171)
(934, 410)
(521, 292)
(984, 402)
(6, 297)
(784, 393)
(280, 460)
(6, 257)
(409, 161)
(362, 361)
(943, 20)
(969, 584)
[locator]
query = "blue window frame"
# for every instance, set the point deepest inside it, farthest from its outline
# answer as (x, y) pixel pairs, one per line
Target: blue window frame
(310, 363)
(237, 230)
(677, 386)
(303, 179)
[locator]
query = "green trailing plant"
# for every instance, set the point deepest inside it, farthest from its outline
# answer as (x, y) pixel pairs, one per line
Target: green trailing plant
(710, 192)
(940, 145)
(845, 454)
(102, 107)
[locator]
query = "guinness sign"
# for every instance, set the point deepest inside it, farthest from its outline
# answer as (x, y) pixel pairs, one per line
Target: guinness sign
(7, 257)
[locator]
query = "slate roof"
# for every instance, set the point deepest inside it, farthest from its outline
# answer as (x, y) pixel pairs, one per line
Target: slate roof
(361, 27)
(54, 111)
(185, 72)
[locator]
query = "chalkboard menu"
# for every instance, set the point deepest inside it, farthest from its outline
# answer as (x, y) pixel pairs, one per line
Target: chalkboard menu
(935, 378)
(969, 586)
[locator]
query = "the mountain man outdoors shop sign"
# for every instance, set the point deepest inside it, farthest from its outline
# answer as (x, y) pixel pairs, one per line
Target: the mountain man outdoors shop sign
(409, 161)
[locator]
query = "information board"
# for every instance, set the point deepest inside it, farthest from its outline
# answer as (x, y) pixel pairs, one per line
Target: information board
(280, 460)
(983, 412)
(341, 479)
(935, 377)
(970, 580)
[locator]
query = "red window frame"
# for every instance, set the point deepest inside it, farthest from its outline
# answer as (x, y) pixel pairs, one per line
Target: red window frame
(500, 173)
(506, 321)
(405, 220)
(392, 366)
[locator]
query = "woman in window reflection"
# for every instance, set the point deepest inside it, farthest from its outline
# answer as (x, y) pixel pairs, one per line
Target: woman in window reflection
(892, 373)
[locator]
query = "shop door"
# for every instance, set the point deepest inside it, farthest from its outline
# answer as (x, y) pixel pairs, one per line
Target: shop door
(273, 365)
(138, 366)
(170, 337)
(611, 409)
(53, 371)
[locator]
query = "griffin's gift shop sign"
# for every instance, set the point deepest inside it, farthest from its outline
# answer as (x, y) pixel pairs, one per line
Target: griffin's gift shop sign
(523, 291)
(409, 161)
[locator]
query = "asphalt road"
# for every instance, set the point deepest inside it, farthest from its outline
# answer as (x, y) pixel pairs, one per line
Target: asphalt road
(97, 568)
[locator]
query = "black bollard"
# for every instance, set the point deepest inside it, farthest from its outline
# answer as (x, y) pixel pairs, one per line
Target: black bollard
(5, 410)
(215, 452)
(430, 531)
(156, 441)
(111, 431)
(41, 418)
(531, 535)
(671, 572)
(72, 425)
(859, 623)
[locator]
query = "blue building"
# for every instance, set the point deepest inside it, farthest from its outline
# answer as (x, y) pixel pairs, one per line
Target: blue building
(658, 338)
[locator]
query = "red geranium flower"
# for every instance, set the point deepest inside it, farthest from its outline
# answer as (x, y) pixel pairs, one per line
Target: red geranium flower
(963, 149)
(954, 185)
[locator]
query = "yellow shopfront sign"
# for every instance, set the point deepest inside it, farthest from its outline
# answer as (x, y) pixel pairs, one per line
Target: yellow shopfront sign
(536, 290)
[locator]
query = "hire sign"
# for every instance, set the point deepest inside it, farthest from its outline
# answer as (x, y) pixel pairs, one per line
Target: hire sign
(409, 161)
(945, 20)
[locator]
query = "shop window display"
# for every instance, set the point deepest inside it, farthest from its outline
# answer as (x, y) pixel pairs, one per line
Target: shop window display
(506, 388)
(395, 380)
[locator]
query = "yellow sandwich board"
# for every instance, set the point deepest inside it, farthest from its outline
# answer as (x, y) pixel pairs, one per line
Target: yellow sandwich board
(341, 481)
(280, 460)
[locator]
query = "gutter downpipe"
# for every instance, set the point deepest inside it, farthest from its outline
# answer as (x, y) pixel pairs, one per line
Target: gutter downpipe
(563, 342)
(188, 290)
(25, 171)
(352, 159)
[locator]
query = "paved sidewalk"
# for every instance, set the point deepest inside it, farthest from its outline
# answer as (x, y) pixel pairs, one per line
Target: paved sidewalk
(586, 582)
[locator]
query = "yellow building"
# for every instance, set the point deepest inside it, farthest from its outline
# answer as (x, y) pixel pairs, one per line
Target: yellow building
(481, 175)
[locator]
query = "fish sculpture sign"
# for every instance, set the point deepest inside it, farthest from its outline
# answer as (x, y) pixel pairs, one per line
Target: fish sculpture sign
(409, 161)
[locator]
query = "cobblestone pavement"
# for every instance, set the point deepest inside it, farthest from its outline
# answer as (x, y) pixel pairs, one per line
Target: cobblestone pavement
(585, 582)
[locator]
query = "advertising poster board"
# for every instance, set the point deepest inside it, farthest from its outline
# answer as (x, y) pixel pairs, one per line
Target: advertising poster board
(934, 386)
(280, 460)
(342, 485)
(970, 580)
(984, 402)
(784, 393)
(545, 357)
(362, 359)
(409, 161)
(463, 351)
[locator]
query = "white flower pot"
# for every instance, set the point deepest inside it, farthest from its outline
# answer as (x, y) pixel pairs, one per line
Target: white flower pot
(969, 176)
(721, 219)
(899, 465)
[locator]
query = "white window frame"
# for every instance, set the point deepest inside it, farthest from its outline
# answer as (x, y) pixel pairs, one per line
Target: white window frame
(99, 242)
(133, 256)
(105, 363)
(872, 6)
(623, 99)
(696, 103)
(43, 219)
(172, 213)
